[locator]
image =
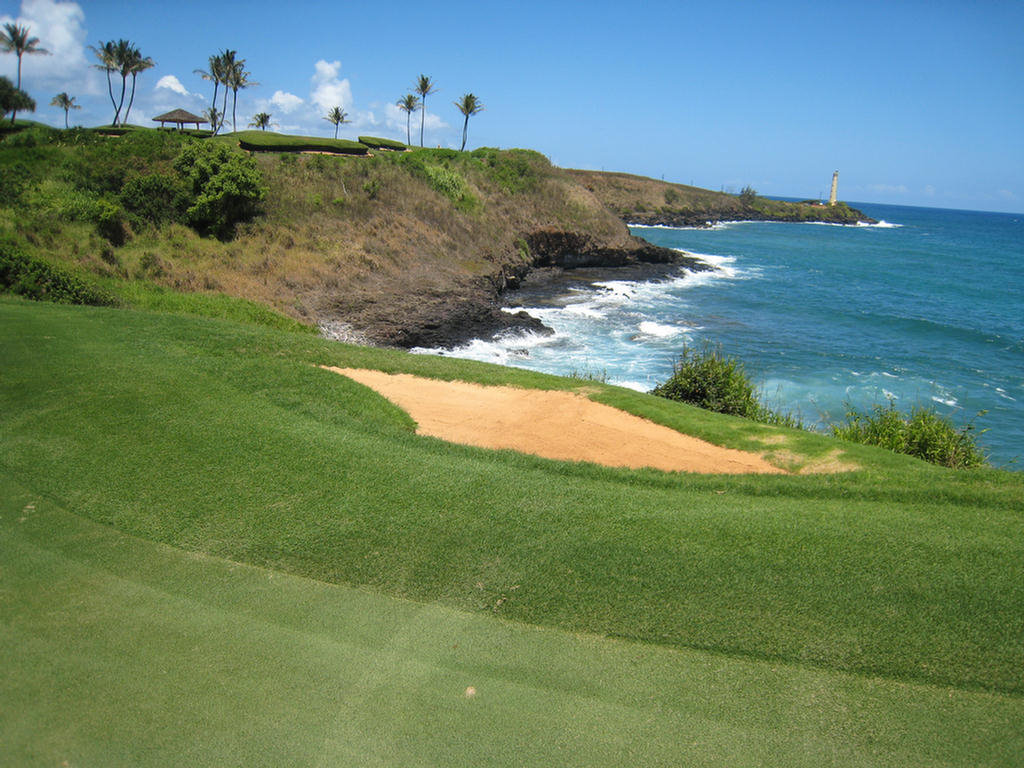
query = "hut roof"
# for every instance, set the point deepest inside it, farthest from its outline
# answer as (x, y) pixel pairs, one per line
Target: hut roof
(179, 116)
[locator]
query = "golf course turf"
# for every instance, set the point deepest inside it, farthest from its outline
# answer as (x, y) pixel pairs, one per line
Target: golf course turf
(216, 550)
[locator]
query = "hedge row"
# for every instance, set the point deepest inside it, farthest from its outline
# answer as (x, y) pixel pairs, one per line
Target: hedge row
(265, 141)
(375, 142)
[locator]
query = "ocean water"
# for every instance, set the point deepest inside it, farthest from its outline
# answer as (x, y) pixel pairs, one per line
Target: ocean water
(925, 308)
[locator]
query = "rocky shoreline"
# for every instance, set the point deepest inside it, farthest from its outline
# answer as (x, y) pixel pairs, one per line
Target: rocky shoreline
(706, 219)
(447, 316)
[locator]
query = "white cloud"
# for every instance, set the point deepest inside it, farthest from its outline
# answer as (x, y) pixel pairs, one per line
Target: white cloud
(328, 90)
(171, 83)
(60, 27)
(286, 102)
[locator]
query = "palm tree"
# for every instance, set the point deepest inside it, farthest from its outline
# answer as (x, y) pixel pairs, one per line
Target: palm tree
(216, 74)
(261, 120)
(214, 117)
(65, 102)
(227, 67)
(236, 78)
(468, 105)
(106, 54)
(15, 39)
(409, 104)
(136, 64)
(424, 87)
(337, 116)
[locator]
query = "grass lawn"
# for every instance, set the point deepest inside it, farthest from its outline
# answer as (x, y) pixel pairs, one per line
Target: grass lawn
(119, 651)
(872, 617)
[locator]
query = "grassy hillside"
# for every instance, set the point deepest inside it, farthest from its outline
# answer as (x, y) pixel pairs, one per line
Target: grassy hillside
(404, 246)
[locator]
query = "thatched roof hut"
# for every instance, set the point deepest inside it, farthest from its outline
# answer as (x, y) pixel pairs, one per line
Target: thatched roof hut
(179, 116)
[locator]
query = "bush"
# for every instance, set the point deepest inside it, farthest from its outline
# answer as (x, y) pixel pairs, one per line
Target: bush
(266, 141)
(923, 433)
(110, 222)
(378, 143)
(226, 186)
(748, 195)
(33, 278)
(154, 198)
(710, 380)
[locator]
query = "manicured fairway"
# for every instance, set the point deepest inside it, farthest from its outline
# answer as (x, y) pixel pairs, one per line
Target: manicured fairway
(371, 575)
(118, 651)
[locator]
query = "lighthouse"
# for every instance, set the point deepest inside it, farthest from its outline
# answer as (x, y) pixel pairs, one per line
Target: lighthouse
(835, 184)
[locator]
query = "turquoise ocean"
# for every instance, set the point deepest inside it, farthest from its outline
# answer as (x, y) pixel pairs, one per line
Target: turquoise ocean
(926, 308)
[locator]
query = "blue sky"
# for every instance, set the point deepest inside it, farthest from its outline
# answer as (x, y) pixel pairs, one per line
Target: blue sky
(916, 103)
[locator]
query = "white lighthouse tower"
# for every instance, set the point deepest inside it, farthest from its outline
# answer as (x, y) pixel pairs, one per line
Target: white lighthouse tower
(835, 185)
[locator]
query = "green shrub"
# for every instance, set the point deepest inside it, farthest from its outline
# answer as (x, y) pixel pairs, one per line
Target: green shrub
(671, 196)
(446, 181)
(514, 170)
(34, 278)
(378, 143)
(748, 195)
(154, 198)
(923, 433)
(110, 222)
(226, 186)
(710, 380)
(266, 141)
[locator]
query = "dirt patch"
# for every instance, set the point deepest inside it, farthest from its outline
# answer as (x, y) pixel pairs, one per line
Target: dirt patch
(556, 425)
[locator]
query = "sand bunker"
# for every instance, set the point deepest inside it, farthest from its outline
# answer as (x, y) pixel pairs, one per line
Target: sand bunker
(555, 425)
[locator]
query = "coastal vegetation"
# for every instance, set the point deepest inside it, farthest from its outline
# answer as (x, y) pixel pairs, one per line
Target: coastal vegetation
(707, 378)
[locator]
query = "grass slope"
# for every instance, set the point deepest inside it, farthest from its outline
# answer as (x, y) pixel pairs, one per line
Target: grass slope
(227, 440)
(119, 651)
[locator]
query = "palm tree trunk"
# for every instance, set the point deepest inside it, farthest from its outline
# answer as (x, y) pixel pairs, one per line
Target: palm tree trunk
(213, 106)
(14, 114)
(224, 111)
(66, 126)
(124, 83)
(465, 129)
(336, 126)
(131, 100)
(408, 134)
(234, 108)
(423, 119)
(110, 90)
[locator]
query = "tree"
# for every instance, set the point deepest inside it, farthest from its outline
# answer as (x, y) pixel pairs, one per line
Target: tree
(337, 116)
(227, 66)
(216, 74)
(15, 39)
(66, 103)
(136, 63)
(748, 195)
(14, 99)
(122, 57)
(106, 53)
(261, 120)
(424, 87)
(236, 78)
(409, 104)
(468, 105)
(214, 117)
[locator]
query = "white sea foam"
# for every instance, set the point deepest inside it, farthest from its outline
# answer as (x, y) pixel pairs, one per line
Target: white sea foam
(661, 330)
